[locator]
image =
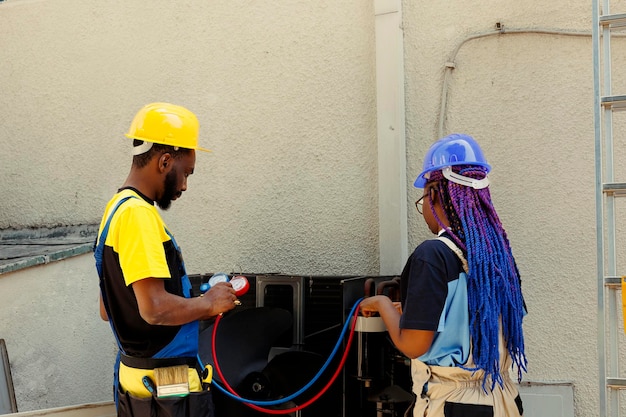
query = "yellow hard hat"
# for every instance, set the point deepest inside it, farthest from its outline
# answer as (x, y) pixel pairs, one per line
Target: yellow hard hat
(166, 124)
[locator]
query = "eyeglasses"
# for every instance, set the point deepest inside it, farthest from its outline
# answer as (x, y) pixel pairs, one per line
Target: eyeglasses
(419, 204)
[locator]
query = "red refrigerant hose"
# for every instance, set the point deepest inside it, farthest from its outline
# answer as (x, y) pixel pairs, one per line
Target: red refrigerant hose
(300, 407)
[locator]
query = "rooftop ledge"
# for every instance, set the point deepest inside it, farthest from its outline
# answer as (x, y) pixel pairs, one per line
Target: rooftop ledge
(23, 248)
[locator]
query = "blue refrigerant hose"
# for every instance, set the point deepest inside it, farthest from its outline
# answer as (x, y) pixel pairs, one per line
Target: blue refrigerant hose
(304, 388)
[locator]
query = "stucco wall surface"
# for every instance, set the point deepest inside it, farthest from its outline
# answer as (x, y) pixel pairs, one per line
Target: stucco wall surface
(285, 95)
(61, 352)
(528, 99)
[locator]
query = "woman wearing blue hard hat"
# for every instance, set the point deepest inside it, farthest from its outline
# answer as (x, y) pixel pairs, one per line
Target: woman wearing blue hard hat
(461, 310)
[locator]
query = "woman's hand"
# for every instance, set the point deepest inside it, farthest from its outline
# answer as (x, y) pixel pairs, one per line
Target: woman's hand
(398, 306)
(413, 343)
(371, 306)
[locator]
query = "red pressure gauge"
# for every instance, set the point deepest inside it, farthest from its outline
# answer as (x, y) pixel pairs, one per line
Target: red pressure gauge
(240, 285)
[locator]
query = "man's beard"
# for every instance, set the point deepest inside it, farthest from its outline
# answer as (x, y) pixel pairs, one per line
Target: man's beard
(171, 179)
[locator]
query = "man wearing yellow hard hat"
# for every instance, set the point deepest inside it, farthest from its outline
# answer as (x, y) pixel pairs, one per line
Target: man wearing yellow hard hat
(145, 292)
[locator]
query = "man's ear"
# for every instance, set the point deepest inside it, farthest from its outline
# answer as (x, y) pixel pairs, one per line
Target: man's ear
(165, 160)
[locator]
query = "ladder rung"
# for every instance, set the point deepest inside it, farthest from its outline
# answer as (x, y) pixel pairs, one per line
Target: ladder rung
(615, 102)
(615, 20)
(617, 189)
(613, 281)
(616, 383)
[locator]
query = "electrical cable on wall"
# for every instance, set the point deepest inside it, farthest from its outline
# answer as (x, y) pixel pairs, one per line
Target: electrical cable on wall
(498, 30)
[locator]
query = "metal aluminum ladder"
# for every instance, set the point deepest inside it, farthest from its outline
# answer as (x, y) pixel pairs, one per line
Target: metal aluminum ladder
(606, 103)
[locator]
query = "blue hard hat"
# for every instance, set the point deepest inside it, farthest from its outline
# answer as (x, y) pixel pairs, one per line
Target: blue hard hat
(454, 149)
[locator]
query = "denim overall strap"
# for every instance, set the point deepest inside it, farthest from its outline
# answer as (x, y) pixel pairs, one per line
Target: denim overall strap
(98, 253)
(184, 344)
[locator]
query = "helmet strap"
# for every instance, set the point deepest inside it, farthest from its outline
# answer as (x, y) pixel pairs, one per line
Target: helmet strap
(463, 180)
(143, 148)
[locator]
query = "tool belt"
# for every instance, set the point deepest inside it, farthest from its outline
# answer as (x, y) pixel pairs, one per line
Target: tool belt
(192, 404)
(196, 404)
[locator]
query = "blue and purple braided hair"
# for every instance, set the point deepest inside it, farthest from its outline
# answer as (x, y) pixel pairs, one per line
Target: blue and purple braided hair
(493, 280)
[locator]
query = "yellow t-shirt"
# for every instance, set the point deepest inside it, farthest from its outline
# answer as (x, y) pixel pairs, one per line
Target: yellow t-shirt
(137, 234)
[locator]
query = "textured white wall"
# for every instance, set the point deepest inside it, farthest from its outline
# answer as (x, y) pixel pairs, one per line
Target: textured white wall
(285, 95)
(61, 352)
(528, 99)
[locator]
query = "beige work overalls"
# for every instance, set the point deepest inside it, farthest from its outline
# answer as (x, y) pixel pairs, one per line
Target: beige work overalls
(454, 385)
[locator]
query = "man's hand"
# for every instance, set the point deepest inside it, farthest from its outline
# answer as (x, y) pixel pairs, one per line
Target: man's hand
(219, 299)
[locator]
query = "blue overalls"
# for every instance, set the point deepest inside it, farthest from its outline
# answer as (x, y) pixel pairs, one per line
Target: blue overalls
(183, 349)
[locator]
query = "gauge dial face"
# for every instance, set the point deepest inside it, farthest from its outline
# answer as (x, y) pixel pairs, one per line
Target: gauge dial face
(240, 285)
(217, 278)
